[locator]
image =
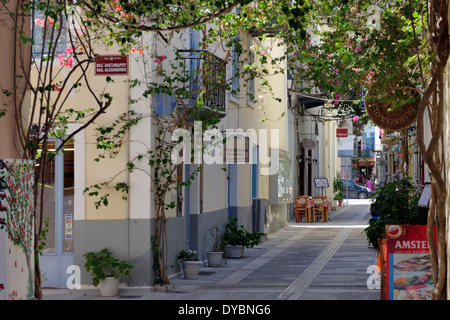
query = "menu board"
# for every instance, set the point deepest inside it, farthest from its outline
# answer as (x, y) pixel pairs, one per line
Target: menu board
(409, 273)
(321, 182)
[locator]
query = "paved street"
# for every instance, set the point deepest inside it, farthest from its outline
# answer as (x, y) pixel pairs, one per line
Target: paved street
(314, 261)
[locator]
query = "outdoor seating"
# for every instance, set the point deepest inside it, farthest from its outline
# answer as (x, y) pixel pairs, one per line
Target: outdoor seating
(301, 208)
(319, 208)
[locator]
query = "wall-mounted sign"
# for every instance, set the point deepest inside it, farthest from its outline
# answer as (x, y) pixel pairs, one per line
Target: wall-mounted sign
(68, 224)
(392, 120)
(111, 65)
(308, 144)
(341, 132)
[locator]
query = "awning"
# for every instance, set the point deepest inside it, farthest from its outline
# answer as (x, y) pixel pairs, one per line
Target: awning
(309, 102)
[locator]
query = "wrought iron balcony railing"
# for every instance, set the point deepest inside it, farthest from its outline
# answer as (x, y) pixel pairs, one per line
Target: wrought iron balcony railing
(204, 73)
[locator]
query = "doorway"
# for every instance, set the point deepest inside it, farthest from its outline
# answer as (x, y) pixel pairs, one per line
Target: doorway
(58, 212)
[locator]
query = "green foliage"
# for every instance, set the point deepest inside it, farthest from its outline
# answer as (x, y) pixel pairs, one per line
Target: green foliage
(43, 236)
(338, 186)
(395, 203)
(103, 264)
(367, 52)
(189, 255)
(339, 196)
(239, 236)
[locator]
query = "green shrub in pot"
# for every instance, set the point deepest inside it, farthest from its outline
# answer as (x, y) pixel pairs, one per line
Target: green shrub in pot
(237, 235)
(103, 264)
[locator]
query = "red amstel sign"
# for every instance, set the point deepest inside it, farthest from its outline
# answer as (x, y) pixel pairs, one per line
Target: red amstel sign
(111, 65)
(408, 272)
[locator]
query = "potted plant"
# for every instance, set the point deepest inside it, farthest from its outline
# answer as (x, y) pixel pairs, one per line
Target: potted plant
(237, 238)
(394, 203)
(106, 270)
(338, 186)
(339, 197)
(215, 255)
(190, 263)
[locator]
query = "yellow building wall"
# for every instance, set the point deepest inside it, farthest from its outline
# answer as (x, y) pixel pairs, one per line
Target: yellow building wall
(108, 168)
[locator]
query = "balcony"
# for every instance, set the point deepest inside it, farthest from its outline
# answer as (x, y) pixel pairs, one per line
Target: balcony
(203, 73)
(270, 30)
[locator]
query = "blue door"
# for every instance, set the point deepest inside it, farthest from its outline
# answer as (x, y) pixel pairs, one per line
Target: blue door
(187, 203)
(58, 212)
(255, 173)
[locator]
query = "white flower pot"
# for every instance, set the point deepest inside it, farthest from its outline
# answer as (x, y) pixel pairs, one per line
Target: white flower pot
(235, 252)
(214, 258)
(109, 287)
(191, 269)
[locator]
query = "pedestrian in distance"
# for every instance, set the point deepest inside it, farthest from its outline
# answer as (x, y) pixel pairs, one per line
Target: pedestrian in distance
(369, 185)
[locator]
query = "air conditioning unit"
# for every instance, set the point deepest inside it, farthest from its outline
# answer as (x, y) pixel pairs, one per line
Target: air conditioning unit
(259, 214)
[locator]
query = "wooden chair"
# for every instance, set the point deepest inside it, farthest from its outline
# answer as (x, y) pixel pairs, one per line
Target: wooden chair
(319, 208)
(301, 209)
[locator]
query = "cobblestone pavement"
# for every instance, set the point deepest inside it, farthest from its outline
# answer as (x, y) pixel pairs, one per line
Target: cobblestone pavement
(305, 261)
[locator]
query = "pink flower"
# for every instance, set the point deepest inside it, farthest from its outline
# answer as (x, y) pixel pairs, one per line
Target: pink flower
(369, 77)
(39, 22)
(355, 118)
(69, 50)
(61, 59)
(67, 62)
(337, 97)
